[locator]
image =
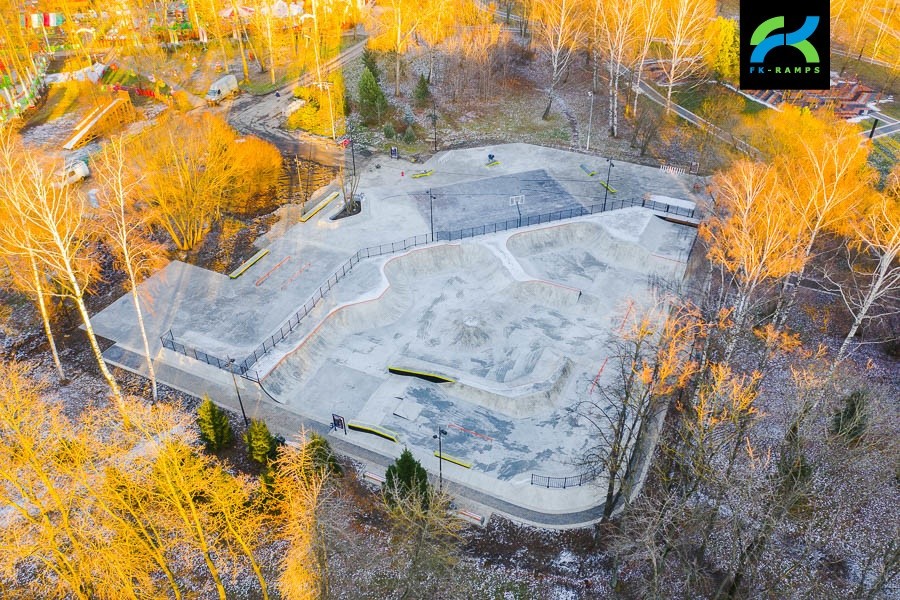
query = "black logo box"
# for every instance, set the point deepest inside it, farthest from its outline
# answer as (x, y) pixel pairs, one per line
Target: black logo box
(785, 67)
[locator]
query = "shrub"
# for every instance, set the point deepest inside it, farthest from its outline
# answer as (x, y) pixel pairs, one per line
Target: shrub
(404, 478)
(389, 132)
(215, 430)
(409, 136)
(851, 420)
(262, 446)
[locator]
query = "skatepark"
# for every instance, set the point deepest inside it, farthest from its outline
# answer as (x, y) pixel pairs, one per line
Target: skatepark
(510, 329)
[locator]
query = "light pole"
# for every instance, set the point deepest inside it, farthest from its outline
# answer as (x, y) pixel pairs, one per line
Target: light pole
(237, 391)
(434, 120)
(519, 210)
(587, 145)
(606, 191)
(439, 436)
(431, 211)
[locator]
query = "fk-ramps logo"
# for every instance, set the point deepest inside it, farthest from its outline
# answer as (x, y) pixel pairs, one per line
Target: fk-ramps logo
(785, 46)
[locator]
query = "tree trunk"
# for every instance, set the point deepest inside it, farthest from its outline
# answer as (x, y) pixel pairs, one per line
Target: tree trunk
(668, 96)
(95, 347)
(546, 114)
(45, 317)
(140, 319)
(397, 74)
(271, 46)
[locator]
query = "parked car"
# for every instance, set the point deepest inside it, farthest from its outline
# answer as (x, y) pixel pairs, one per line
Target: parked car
(221, 89)
(73, 173)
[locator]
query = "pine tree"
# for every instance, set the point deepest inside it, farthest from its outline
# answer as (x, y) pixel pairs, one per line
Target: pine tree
(422, 93)
(406, 477)
(262, 446)
(322, 455)
(372, 103)
(369, 61)
(215, 430)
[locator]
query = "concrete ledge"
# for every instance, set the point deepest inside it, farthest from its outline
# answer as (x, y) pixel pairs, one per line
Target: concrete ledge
(319, 206)
(374, 430)
(249, 263)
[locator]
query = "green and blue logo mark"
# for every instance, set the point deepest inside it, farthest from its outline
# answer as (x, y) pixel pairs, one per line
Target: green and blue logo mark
(785, 50)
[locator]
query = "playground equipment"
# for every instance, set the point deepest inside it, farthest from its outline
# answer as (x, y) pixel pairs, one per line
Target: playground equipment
(114, 112)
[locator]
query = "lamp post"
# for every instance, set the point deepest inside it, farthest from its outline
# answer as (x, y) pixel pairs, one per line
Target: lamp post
(431, 211)
(587, 145)
(434, 120)
(519, 211)
(439, 436)
(608, 172)
(237, 391)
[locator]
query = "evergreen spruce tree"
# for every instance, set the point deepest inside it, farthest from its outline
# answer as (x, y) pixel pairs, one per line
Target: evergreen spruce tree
(370, 62)
(322, 455)
(406, 477)
(262, 446)
(372, 103)
(215, 430)
(422, 93)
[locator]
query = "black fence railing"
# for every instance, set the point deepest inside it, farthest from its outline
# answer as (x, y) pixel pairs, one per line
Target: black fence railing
(563, 482)
(232, 366)
(242, 368)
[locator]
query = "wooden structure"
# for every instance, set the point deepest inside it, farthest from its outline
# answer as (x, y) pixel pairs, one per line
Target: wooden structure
(111, 114)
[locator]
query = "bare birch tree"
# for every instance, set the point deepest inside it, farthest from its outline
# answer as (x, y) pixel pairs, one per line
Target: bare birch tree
(16, 245)
(124, 228)
(875, 274)
(559, 32)
(57, 223)
(684, 27)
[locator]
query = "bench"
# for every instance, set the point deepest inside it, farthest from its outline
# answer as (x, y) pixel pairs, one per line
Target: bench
(372, 477)
(590, 173)
(249, 263)
(423, 174)
(467, 515)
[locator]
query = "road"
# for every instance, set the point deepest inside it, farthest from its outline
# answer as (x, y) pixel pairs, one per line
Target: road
(263, 116)
(887, 126)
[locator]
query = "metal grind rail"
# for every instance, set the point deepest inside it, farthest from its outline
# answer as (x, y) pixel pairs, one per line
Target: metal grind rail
(243, 368)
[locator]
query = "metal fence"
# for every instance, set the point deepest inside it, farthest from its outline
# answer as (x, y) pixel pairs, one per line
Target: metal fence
(168, 341)
(563, 482)
(243, 367)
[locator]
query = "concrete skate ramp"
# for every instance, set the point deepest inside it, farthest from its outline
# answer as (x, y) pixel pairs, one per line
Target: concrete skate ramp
(455, 310)
(403, 274)
(584, 254)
